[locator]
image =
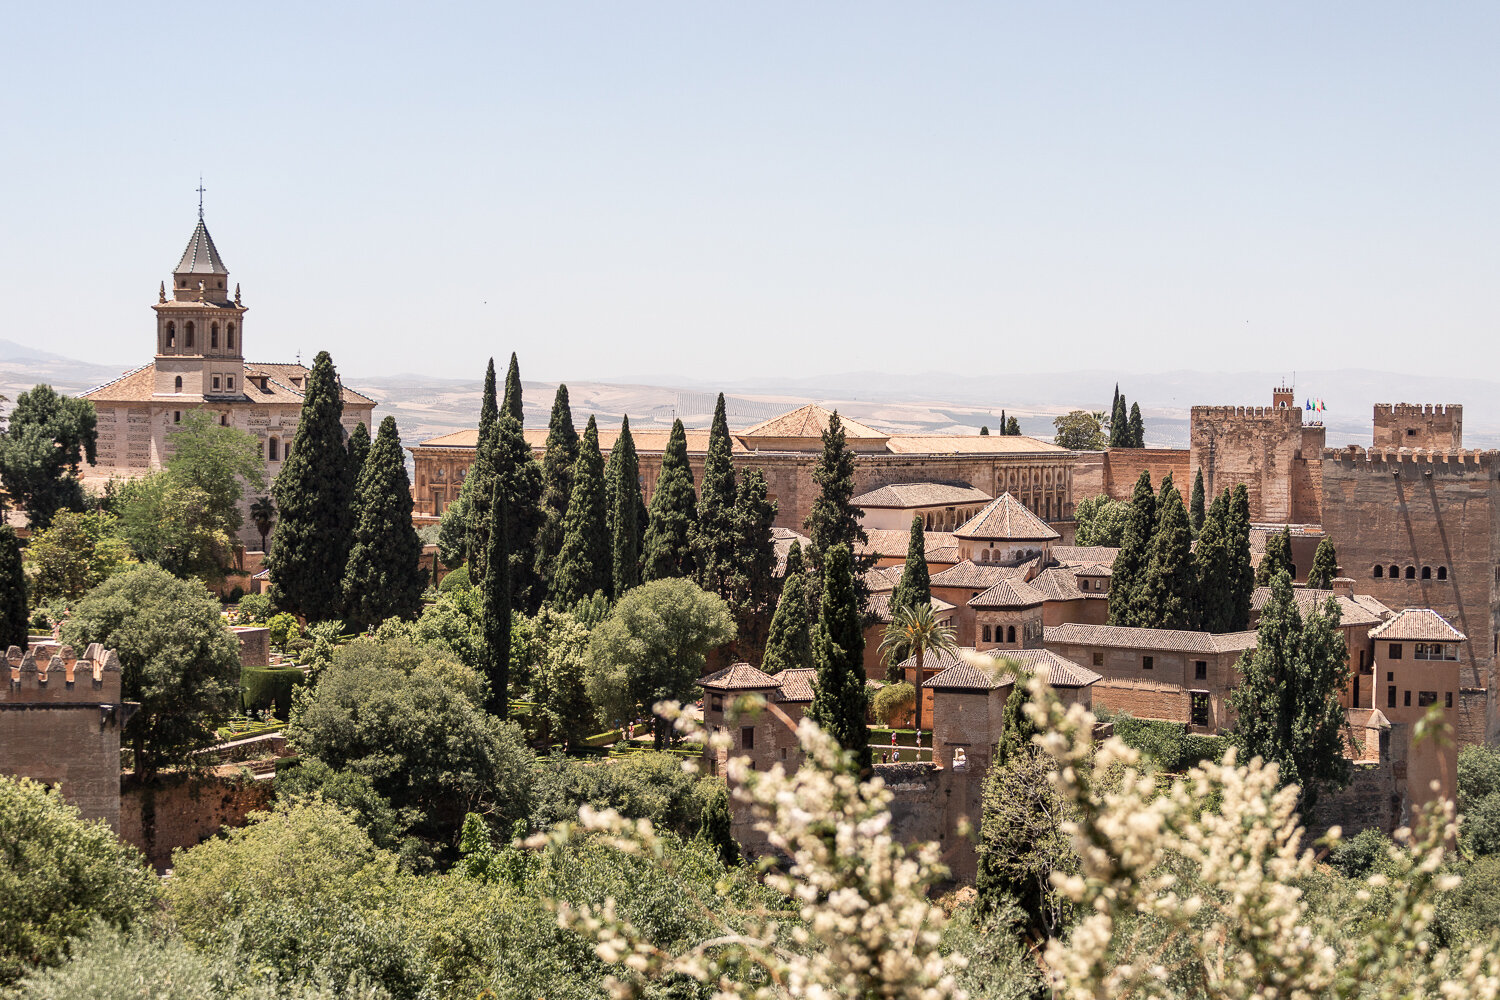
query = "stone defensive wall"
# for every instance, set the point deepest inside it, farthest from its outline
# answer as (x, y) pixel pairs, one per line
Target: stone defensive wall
(1439, 461)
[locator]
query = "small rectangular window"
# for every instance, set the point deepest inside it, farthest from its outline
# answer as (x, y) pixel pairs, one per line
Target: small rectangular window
(1406, 699)
(1098, 659)
(229, 383)
(1200, 671)
(1390, 675)
(716, 703)
(1390, 697)
(1200, 708)
(1425, 698)
(176, 416)
(1447, 699)
(1148, 662)
(1395, 651)
(747, 737)
(1361, 659)
(216, 381)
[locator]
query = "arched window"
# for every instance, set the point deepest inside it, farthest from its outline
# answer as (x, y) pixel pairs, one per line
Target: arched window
(1442, 572)
(178, 383)
(986, 633)
(984, 556)
(1427, 572)
(1395, 572)
(229, 336)
(1010, 634)
(189, 341)
(1379, 572)
(213, 335)
(171, 334)
(1411, 572)
(272, 450)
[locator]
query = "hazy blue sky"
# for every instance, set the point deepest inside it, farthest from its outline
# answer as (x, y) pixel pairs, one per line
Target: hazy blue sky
(627, 189)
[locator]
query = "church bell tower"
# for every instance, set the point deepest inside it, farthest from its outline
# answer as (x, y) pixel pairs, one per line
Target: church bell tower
(200, 328)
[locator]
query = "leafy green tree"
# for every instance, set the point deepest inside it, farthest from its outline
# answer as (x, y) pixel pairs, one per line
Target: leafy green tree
(13, 617)
(892, 702)
(752, 582)
(1013, 427)
(177, 658)
(1243, 591)
(263, 516)
(668, 548)
(1128, 575)
(790, 642)
(496, 612)
(512, 403)
(384, 574)
(1287, 705)
(834, 518)
(222, 462)
(557, 657)
(359, 451)
(1169, 588)
(314, 494)
(49, 436)
(59, 875)
(1214, 559)
(396, 716)
(558, 460)
(984, 430)
(1325, 566)
(585, 564)
(1479, 799)
(915, 632)
(1196, 509)
(1080, 430)
(1101, 521)
(714, 829)
(1137, 427)
(453, 530)
(627, 511)
(916, 583)
(653, 647)
(839, 705)
(1277, 559)
(172, 524)
(76, 553)
(714, 535)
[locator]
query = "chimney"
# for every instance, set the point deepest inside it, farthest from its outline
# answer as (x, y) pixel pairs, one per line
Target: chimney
(1343, 586)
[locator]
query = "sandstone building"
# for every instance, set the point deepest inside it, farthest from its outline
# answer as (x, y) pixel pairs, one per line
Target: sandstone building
(200, 364)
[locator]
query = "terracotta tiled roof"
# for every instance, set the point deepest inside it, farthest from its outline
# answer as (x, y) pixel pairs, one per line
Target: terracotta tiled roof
(880, 605)
(647, 439)
(962, 674)
(201, 256)
(1059, 584)
(738, 677)
(1009, 594)
(139, 384)
(1006, 519)
(883, 578)
(809, 421)
(975, 576)
(943, 553)
(1169, 640)
(1418, 624)
(904, 496)
(796, 685)
(1071, 555)
(896, 541)
(970, 444)
(782, 539)
(1351, 612)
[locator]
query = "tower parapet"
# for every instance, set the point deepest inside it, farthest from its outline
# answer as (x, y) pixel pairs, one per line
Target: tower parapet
(1419, 425)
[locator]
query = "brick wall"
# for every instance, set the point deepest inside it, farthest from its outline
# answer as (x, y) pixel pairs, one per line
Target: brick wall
(182, 811)
(1123, 466)
(1251, 445)
(1419, 425)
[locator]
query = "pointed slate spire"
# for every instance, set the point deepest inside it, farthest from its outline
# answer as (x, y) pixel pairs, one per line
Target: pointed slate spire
(201, 256)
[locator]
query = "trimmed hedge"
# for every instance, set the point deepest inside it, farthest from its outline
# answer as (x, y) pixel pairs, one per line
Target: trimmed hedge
(458, 578)
(269, 687)
(1169, 745)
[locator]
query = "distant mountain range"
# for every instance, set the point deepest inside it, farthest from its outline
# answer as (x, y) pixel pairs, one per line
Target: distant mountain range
(931, 402)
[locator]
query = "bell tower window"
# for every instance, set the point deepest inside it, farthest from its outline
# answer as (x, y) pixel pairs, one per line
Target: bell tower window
(177, 384)
(171, 334)
(189, 331)
(213, 336)
(229, 336)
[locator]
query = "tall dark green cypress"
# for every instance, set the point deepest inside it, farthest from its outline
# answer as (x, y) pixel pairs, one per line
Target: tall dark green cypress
(1325, 567)
(315, 496)
(1243, 573)
(1196, 510)
(1137, 427)
(1119, 423)
(13, 617)
(1170, 585)
(513, 391)
(839, 705)
(790, 642)
(464, 521)
(383, 577)
(627, 511)
(1213, 557)
(557, 484)
(519, 474)
(1013, 427)
(752, 584)
(489, 408)
(714, 533)
(834, 519)
(915, 586)
(495, 609)
(1128, 574)
(359, 451)
(1277, 559)
(585, 564)
(668, 548)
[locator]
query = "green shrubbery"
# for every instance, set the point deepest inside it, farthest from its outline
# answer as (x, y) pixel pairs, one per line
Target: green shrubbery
(263, 688)
(1168, 744)
(456, 580)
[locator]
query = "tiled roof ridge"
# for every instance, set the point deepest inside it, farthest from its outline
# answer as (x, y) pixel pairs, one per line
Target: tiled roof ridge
(118, 378)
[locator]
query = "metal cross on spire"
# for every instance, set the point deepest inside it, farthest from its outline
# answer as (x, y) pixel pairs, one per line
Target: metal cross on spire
(201, 189)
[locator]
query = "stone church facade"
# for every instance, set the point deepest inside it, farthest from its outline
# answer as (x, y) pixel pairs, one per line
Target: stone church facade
(200, 365)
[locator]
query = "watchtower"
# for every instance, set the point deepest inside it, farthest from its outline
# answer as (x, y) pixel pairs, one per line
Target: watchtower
(1434, 426)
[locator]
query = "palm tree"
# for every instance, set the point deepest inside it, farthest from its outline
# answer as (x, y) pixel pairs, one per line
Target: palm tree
(915, 631)
(262, 513)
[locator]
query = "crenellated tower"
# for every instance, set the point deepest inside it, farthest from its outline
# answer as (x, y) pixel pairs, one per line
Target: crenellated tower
(200, 327)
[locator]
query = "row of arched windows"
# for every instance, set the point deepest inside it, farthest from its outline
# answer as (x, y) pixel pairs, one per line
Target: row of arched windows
(189, 331)
(1009, 631)
(1395, 573)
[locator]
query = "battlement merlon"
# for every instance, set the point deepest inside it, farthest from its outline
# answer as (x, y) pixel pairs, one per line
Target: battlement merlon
(1419, 409)
(47, 675)
(1290, 414)
(1421, 462)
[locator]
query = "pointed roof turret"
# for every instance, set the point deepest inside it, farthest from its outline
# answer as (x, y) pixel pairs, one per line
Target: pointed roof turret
(201, 256)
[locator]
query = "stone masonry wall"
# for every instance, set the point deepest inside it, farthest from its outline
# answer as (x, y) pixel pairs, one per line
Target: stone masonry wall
(182, 811)
(1251, 445)
(1419, 425)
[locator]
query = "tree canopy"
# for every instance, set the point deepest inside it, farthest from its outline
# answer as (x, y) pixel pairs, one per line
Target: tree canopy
(383, 576)
(839, 705)
(668, 546)
(49, 437)
(790, 643)
(1080, 430)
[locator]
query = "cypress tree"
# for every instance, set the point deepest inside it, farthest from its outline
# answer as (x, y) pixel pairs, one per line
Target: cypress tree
(1170, 586)
(1168, 487)
(557, 484)
(916, 583)
(627, 511)
(585, 564)
(1116, 402)
(668, 550)
(1195, 509)
(790, 642)
(834, 519)
(462, 524)
(519, 475)
(513, 391)
(13, 617)
(359, 451)
(1129, 569)
(1243, 574)
(495, 609)
(489, 409)
(714, 533)
(1137, 427)
(1013, 427)
(1287, 704)
(984, 430)
(1119, 422)
(383, 577)
(1214, 560)
(714, 828)
(314, 495)
(1278, 557)
(753, 582)
(839, 704)
(1325, 566)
